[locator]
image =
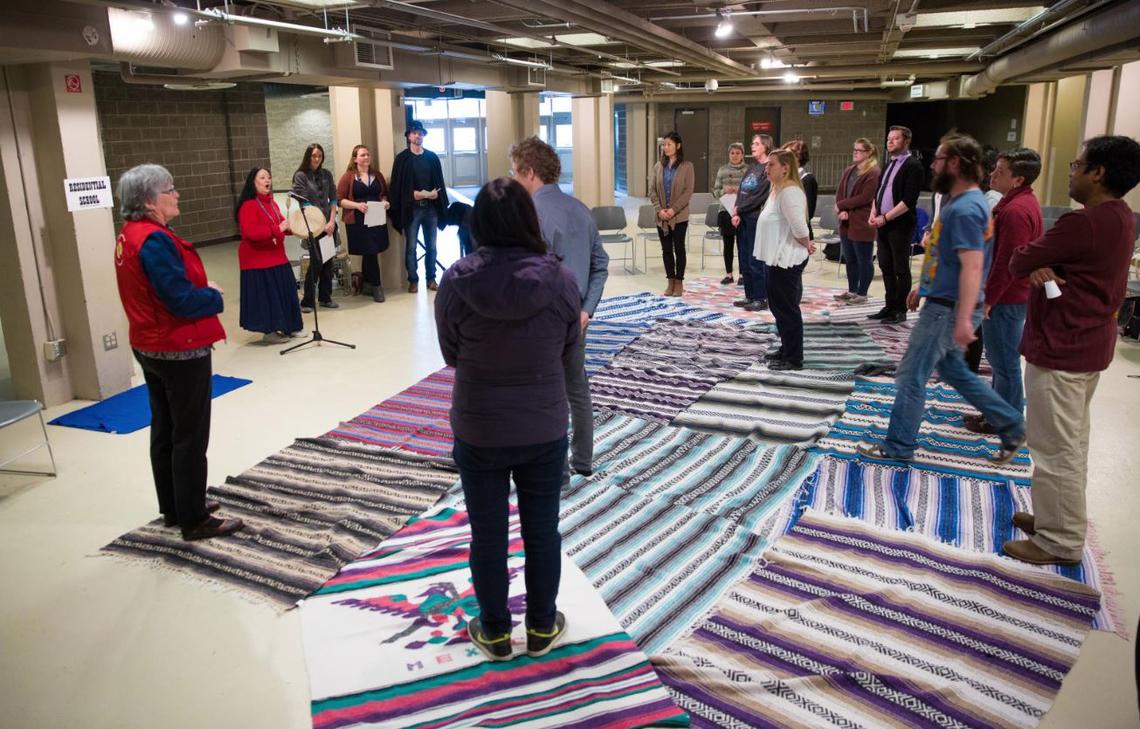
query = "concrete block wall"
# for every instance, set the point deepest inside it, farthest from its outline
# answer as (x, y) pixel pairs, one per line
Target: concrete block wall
(207, 139)
(295, 122)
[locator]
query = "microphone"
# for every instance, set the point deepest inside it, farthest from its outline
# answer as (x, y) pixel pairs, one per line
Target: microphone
(295, 196)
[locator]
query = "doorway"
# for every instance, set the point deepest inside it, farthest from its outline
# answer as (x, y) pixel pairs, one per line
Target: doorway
(457, 133)
(693, 126)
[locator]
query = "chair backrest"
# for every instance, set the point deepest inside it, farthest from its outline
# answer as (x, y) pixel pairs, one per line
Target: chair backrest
(1048, 222)
(712, 214)
(646, 217)
(609, 217)
(827, 218)
(822, 202)
(700, 201)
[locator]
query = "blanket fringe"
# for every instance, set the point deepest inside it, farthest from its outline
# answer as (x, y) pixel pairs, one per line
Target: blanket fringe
(1110, 592)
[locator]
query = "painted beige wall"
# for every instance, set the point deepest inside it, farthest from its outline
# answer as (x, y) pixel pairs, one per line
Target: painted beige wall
(1065, 140)
(593, 137)
(25, 320)
(82, 242)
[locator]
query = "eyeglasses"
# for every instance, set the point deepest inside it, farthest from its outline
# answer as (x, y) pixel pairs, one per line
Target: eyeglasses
(1077, 164)
(941, 156)
(171, 191)
(860, 149)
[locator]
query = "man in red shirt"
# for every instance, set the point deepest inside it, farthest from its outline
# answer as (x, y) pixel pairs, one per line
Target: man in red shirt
(1069, 339)
(1017, 221)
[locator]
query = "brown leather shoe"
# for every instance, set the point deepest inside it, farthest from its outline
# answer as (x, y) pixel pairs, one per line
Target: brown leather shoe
(978, 424)
(432, 286)
(668, 287)
(678, 287)
(1024, 550)
(413, 288)
(1023, 520)
(212, 527)
(170, 520)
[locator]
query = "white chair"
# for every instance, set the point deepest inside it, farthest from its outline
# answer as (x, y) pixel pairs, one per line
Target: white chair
(12, 412)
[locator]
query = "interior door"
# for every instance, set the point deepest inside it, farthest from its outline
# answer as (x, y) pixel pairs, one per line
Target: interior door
(693, 126)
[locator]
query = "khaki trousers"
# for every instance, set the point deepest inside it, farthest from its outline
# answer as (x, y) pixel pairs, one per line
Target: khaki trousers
(1057, 427)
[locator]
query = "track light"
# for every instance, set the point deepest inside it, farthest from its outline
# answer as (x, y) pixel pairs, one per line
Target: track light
(724, 27)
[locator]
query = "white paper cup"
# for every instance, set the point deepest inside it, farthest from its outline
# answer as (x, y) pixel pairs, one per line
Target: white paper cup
(1052, 290)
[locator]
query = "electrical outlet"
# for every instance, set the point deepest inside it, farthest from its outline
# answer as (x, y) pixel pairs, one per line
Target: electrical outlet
(110, 341)
(55, 349)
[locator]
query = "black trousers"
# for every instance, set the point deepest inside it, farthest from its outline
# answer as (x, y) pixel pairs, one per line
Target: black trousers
(785, 289)
(315, 274)
(179, 392)
(894, 262)
(370, 269)
(728, 236)
(673, 249)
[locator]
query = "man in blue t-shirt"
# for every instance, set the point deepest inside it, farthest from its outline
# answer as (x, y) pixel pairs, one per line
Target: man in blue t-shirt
(952, 273)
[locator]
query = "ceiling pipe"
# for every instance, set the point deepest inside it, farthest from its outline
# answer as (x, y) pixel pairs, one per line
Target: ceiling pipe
(855, 11)
(1090, 34)
(1027, 28)
(856, 71)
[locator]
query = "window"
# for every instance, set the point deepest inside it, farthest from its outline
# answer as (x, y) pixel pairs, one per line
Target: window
(436, 138)
(563, 136)
(463, 139)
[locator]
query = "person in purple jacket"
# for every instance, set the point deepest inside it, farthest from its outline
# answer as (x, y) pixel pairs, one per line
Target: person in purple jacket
(508, 317)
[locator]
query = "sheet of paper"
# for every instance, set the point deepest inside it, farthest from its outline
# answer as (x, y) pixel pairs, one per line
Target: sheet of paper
(328, 248)
(375, 215)
(728, 201)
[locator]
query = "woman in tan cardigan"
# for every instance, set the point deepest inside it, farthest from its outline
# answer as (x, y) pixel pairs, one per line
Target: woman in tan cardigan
(670, 193)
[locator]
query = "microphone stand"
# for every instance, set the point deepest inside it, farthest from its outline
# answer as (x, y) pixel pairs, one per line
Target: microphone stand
(316, 338)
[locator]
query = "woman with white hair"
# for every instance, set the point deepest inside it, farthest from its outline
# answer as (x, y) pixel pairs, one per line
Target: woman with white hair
(172, 310)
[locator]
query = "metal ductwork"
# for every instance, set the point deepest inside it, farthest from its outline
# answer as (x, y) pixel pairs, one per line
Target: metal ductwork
(153, 39)
(1106, 29)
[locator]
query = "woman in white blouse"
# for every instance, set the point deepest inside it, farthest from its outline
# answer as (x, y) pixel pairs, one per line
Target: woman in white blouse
(783, 242)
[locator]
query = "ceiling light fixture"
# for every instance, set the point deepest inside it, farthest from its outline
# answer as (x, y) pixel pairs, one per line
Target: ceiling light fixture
(724, 27)
(791, 77)
(181, 18)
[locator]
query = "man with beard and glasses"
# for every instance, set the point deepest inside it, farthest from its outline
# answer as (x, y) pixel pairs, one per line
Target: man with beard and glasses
(951, 283)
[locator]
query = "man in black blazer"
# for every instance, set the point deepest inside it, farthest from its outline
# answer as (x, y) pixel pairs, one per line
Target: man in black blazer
(892, 213)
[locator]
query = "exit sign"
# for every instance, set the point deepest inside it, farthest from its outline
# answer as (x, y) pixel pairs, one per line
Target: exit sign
(847, 106)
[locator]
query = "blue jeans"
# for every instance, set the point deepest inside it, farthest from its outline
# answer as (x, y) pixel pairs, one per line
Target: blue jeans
(427, 220)
(859, 258)
(754, 272)
(486, 476)
(1002, 336)
(932, 346)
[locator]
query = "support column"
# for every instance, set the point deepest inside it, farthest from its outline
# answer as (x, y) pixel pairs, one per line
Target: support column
(56, 137)
(510, 118)
(388, 120)
(637, 160)
(593, 119)
(1124, 118)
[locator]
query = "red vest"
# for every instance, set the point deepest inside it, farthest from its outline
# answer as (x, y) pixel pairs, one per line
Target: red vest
(153, 328)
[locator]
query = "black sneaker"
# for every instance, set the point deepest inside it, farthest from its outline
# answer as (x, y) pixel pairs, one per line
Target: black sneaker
(742, 302)
(883, 313)
(539, 642)
(774, 355)
(497, 648)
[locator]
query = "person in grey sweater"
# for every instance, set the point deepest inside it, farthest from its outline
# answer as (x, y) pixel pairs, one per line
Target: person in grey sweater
(569, 231)
(728, 183)
(754, 189)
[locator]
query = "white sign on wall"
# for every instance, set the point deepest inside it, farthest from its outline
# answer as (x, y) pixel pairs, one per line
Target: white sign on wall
(87, 193)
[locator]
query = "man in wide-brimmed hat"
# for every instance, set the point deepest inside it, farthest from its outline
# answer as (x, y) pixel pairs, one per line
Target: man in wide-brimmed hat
(418, 197)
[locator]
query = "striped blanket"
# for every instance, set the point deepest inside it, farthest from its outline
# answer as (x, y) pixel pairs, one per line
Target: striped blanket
(646, 308)
(414, 420)
(846, 625)
(671, 518)
(605, 339)
(944, 444)
(894, 338)
(786, 407)
(837, 346)
(970, 513)
(386, 645)
(308, 510)
(818, 303)
(671, 365)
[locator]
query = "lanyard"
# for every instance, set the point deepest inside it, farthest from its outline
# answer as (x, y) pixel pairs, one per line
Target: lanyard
(272, 218)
